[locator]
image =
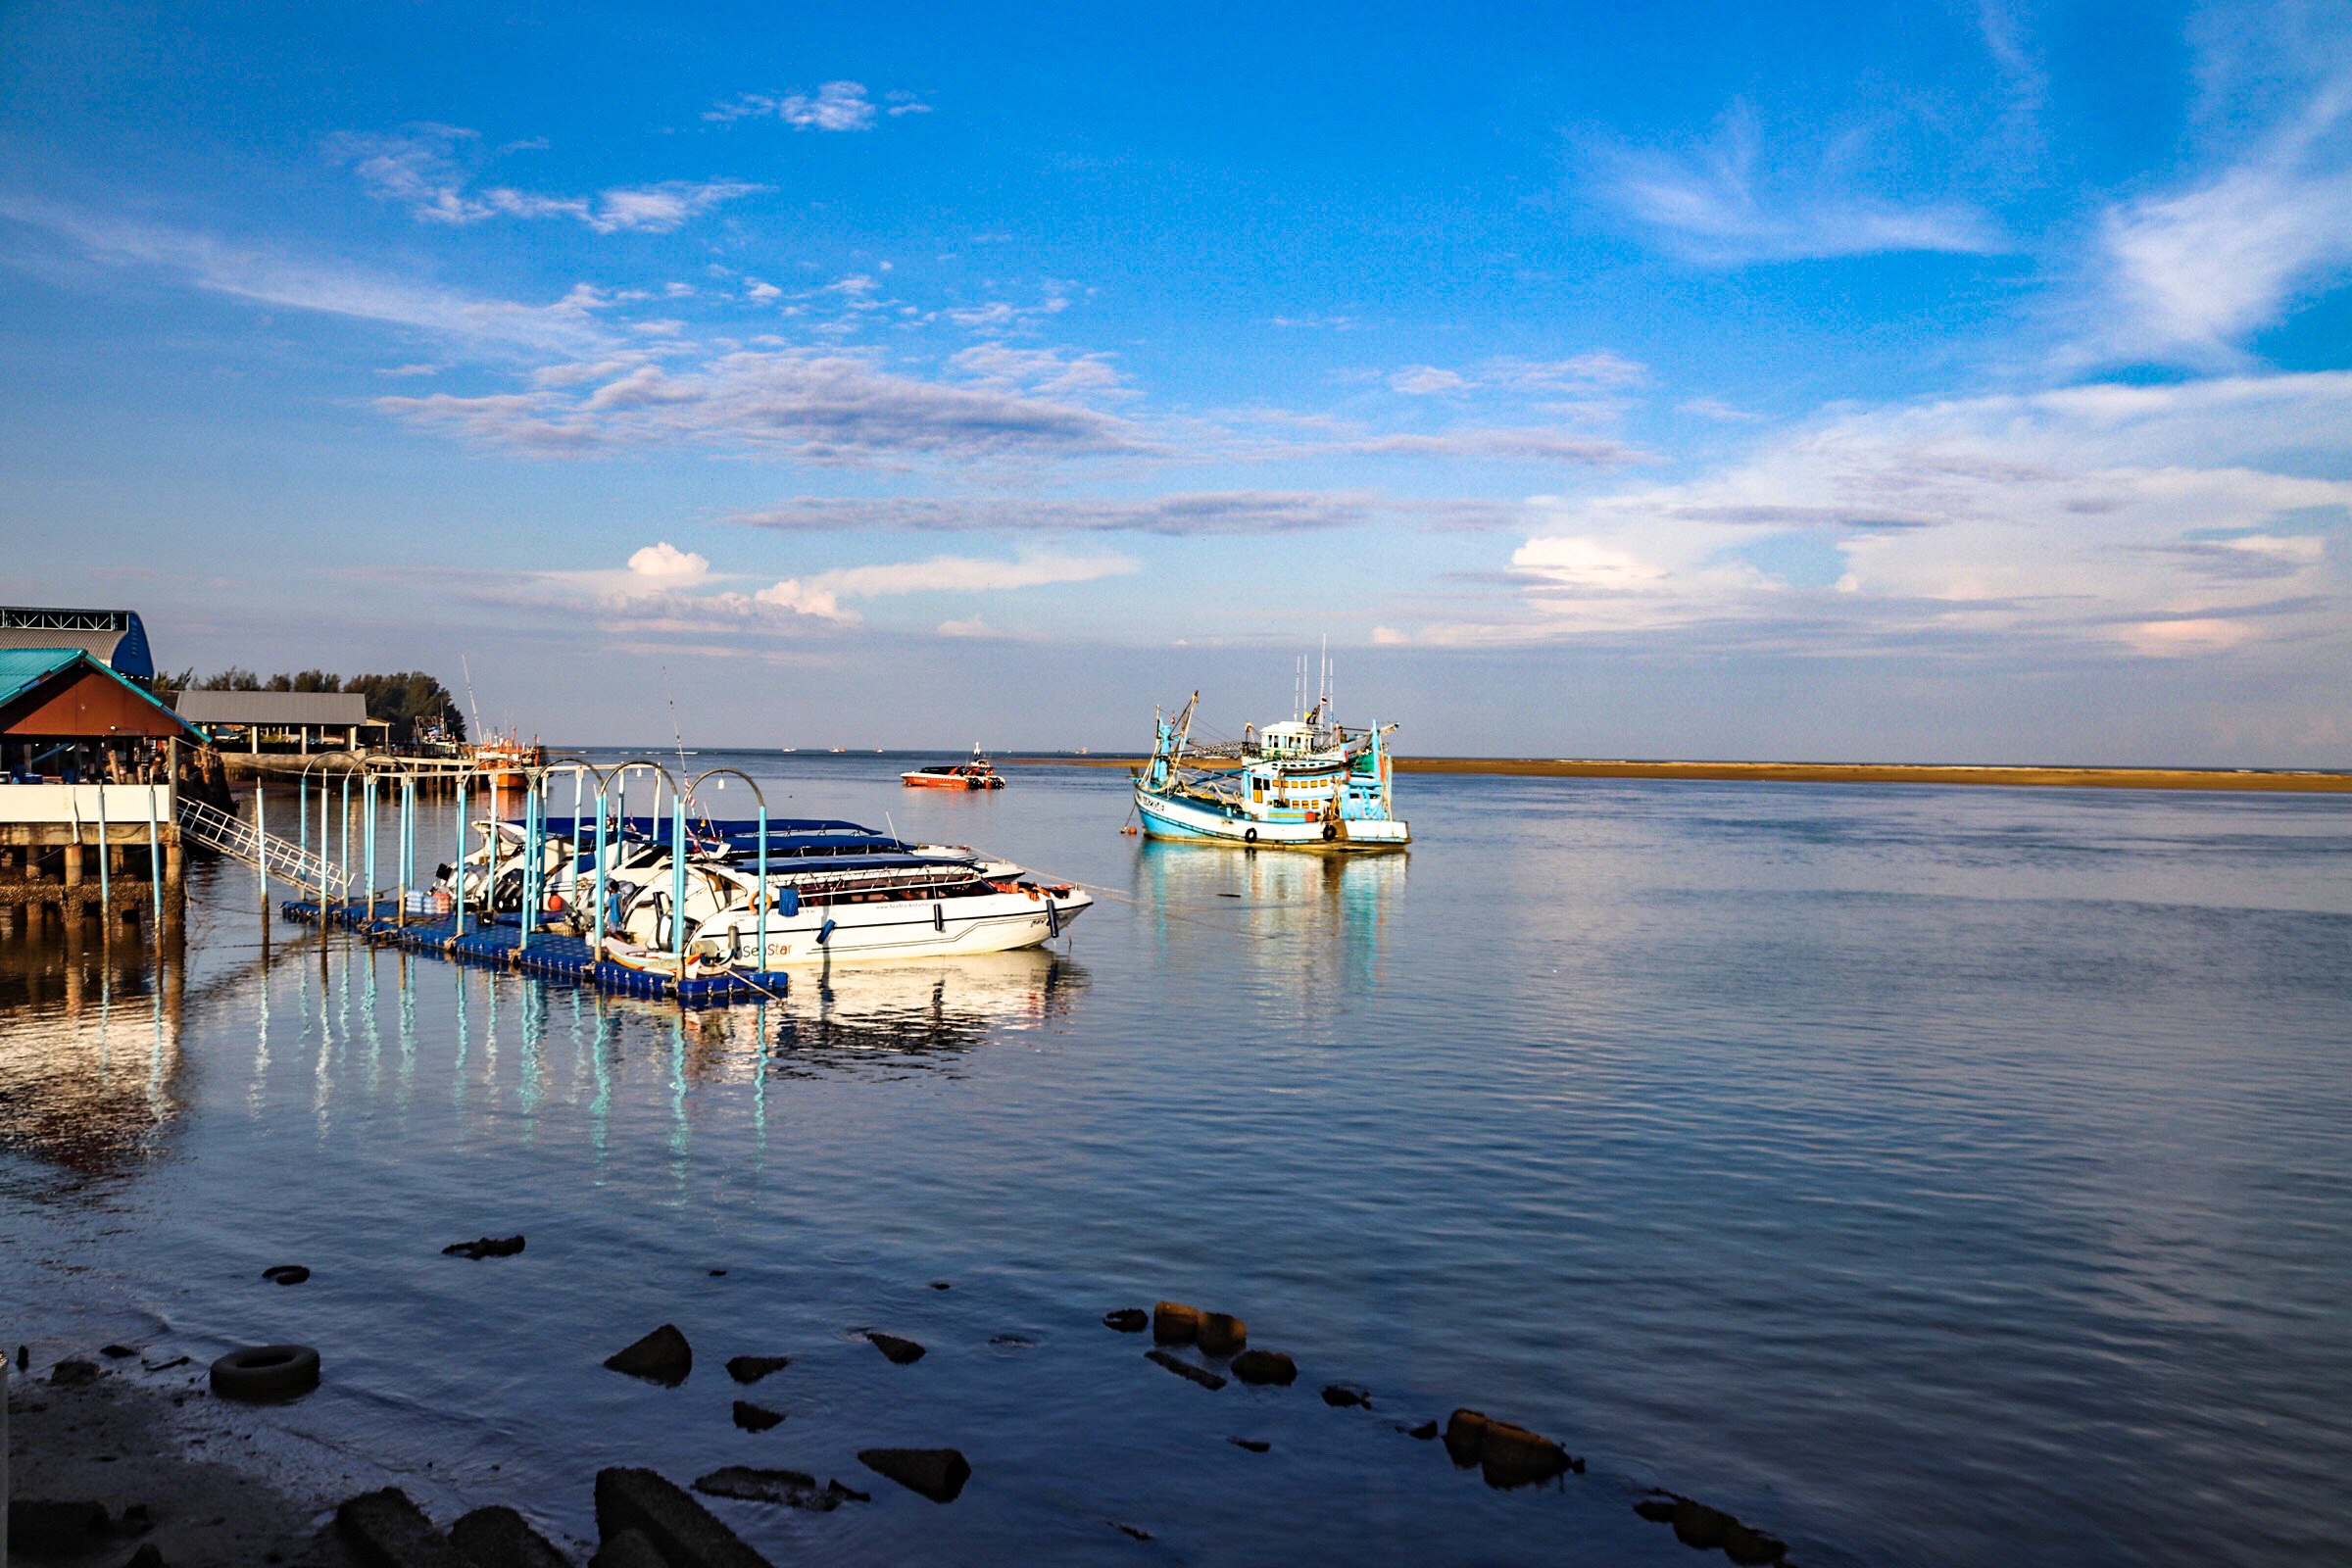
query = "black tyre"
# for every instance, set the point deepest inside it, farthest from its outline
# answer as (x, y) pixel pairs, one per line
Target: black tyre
(1248, 835)
(259, 1373)
(1330, 830)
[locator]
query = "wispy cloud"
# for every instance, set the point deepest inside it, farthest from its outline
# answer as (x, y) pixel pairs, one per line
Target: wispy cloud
(826, 408)
(419, 168)
(1721, 204)
(834, 106)
(2198, 269)
(264, 276)
(1237, 511)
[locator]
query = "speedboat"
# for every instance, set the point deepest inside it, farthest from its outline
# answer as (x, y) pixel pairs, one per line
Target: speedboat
(975, 773)
(1306, 784)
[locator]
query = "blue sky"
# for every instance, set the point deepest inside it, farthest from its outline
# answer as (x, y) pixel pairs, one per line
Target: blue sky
(1962, 380)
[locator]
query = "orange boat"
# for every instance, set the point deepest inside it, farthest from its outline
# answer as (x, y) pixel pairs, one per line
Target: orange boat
(979, 773)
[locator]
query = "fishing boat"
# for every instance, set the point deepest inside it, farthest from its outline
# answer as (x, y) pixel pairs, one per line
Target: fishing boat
(975, 773)
(1307, 783)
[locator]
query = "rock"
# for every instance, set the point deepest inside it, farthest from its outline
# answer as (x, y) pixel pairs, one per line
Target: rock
(1131, 1532)
(1465, 1435)
(1697, 1525)
(682, 1530)
(1751, 1547)
(116, 1352)
(1174, 1323)
(1253, 1445)
(662, 1357)
(1185, 1369)
(149, 1555)
(1342, 1395)
(718, 1273)
(940, 1285)
(1265, 1367)
(791, 1487)
(755, 1417)
(386, 1530)
(901, 1352)
(937, 1473)
(38, 1527)
(631, 1549)
(1222, 1333)
(1422, 1433)
(751, 1368)
(1513, 1457)
(500, 1537)
(74, 1374)
(1127, 1320)
(1657, 1511)
(24, 1356)
(484, 1247)
(285, 1274)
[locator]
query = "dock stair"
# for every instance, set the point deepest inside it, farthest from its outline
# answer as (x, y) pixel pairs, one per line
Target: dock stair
(266, 853)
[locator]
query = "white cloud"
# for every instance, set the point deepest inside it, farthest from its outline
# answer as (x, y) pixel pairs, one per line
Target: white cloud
(974, 628)
(1719, 204)
(1423, 380)
(2198, 269)
(835, 106)
(419, 168)
(665, 564)
(2147, 519)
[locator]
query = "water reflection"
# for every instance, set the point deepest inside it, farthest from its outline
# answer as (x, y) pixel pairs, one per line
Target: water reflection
(89, 1050)
(1313, 923)
(923, 1014)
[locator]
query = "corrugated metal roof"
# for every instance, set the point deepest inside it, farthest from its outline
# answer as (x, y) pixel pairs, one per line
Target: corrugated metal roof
(23, 667)
(99, 645)
(272, 709)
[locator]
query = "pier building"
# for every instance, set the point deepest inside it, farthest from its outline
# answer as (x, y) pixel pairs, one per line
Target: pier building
(90, 763)
(282, 720)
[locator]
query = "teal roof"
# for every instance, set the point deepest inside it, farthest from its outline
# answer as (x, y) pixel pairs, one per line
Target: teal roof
(24, 668)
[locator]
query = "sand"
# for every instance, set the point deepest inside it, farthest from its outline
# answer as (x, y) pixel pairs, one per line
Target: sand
(124, 1443)
(2123, 778)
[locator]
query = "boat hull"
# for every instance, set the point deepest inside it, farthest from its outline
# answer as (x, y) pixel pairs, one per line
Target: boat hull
(899, 929)
(1189, 818)
(949, 781)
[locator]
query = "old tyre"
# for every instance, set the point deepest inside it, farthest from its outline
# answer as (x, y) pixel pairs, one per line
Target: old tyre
(265, 1372)
(1248, 835)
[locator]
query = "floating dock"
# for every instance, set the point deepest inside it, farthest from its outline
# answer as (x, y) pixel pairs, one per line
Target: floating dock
(551, 955)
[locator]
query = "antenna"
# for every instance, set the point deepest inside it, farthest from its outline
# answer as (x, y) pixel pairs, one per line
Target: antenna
(679, 736)
(478, 731)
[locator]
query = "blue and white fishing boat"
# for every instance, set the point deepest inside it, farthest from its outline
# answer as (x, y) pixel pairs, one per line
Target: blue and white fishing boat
(1306, 784)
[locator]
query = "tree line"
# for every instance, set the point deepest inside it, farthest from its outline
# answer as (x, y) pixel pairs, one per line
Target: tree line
(406, 701)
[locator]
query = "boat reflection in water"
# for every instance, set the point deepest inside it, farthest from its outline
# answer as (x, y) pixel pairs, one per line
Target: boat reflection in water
(1308, 926)
(89, 1052)
(917, 1015)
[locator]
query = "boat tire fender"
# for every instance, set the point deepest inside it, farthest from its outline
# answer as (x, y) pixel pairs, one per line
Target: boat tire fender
(1331, 831)
(265, 1372)
(1248, 835)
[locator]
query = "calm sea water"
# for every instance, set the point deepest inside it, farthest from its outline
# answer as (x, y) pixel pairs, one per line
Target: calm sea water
(1929, 1176)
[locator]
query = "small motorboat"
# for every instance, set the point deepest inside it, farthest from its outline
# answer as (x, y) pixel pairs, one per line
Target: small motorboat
(976, 773)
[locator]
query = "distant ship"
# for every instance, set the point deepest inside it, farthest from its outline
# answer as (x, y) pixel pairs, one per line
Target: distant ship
(1306, 784)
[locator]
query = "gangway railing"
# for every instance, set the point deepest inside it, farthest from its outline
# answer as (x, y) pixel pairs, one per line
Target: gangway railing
(266, 853)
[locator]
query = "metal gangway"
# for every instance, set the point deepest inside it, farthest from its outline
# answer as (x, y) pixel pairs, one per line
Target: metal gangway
(266, 853)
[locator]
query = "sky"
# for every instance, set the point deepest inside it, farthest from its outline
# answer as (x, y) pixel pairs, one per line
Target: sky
(1961, 380)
